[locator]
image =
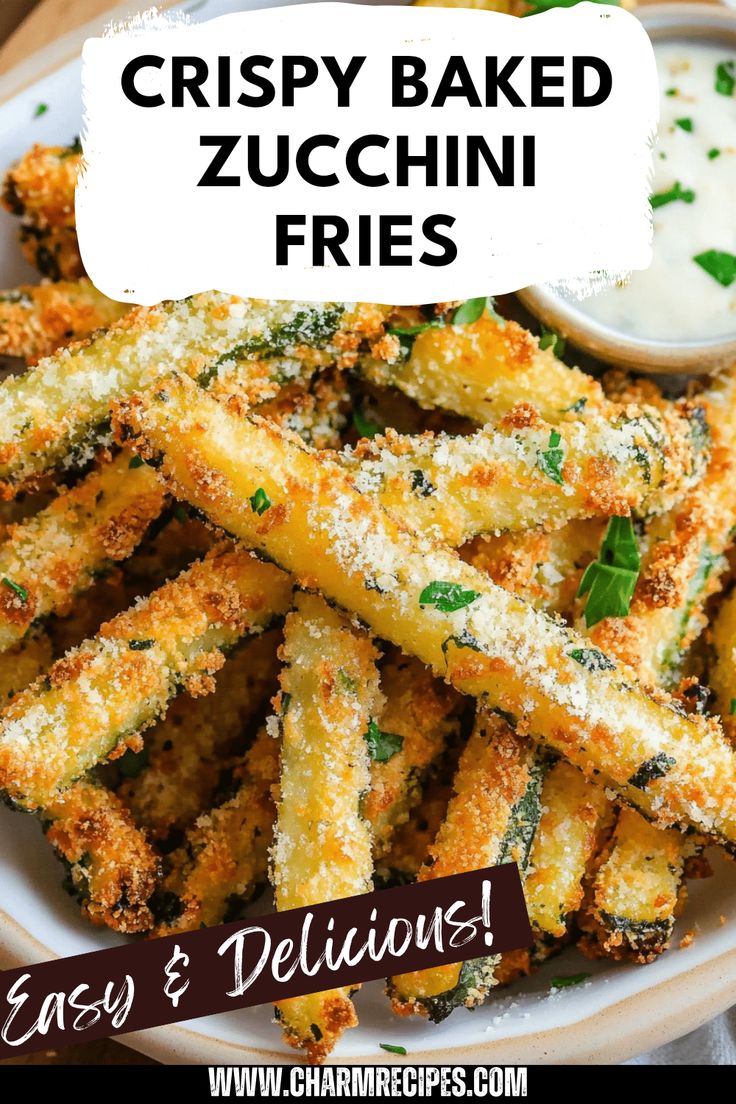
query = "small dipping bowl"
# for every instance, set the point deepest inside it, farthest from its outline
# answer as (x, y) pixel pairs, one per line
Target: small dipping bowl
(698, 23)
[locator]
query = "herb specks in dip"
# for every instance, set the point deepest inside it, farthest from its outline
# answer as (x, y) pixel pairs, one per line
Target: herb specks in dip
(688, 292)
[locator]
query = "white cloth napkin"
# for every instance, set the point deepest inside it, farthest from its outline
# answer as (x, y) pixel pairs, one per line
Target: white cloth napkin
(713, 1044)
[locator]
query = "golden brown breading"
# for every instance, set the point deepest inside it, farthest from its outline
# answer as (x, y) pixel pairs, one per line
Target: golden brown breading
(35, 321)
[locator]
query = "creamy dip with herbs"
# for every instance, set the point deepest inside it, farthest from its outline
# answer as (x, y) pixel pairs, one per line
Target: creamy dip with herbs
(689, 291)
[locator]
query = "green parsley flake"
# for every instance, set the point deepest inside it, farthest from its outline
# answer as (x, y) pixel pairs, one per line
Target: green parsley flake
(713, 153)
(718, 264)
(553, 341)
(685, 124)
(687, 195)
(136, 462)
(447, 597)
(259, 502)
(392, 1049)
(671, 92)
(732, 707)
(41, 109)
(347, 682)
(469, 311)
(566, 982)
(382, 746)
(725, 78)
(611, 579)
(592, 659)
(550, 461)
(364, 426)
(17, 589)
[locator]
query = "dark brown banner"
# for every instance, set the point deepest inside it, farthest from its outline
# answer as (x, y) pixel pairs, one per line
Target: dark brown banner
(262, 960)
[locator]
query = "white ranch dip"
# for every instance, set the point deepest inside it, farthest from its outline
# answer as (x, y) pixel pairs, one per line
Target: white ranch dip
(694, 160)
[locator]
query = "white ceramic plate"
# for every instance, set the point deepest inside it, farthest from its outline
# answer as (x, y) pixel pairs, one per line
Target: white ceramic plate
(621, 1011)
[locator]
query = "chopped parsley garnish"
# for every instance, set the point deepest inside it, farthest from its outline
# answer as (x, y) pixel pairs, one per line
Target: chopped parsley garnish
(651, 769)
(447, 597)
(718, 264)
(136, 462)
(713, 153)
(132, 763)
(687, 195)
(259, 502)
(414, 331)
(364, 426)
(685, 124)
(16, 588)
(725, 78)
(347, 682)
(550, 461)
(592, 659)
(553, 341)
(732, 707)
(421, 484)
(140, 645)
(382, 746)
(392, 1049)
(566, 982)
(671, 92)
(611, 578)
(41, 109)
(180, 513)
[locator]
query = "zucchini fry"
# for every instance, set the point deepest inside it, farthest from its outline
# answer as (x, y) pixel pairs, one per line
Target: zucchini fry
(323, 846)
(177, 775)
(637, 891)
(40, 186)
(53, 250)
(482, 371)
(224, 859)
(112, 868)
(491, 819)
(96, 699)
(58, 412)
(46, 560)
(722, 673)
(423, 713)
(35, 321)
(575, 816)
(526, 473)
(421, 597)
(542, 568)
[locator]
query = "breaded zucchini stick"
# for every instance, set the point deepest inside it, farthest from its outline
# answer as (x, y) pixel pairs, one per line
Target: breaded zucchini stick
(575, 815)
(722, 673)
(40, 186)
(96, 699)
(46, 560)
(224, 859)
(526, 473)
(486, 642)
(482, 371)
(420, 715)
(35, 321)
(637, 890)
(323, 845)
(112, 868)
(543, 568)
(491, 819)
(181, 767)
(57, 413)
(684, 559)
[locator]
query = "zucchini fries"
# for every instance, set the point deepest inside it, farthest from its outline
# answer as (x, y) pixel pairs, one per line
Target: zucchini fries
(323, 845)
(36, 321)
(487, 643)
